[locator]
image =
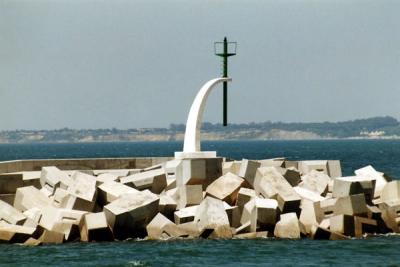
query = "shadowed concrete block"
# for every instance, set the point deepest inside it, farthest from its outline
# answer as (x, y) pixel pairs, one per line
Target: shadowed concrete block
(226, 188)
(161, 227)
(352, 185)
(370, 172)
(9, 182)
(10, 214)
(94, 227)
(267, 212)
(351, 205)
(325, 208)
(244, 196)
(244, 228)
(185, 215)
(288, 226)
(211, 215)
(231, 166)
(325, 234)
(189, 195)
(15, 233)
(364, 225)
(198, 171)
(316, 181)
(8, 198)
(33, 214)
(30, 197)
(110, 191)
(275, 162)
(234, 214)
(273, 185)
(154, 180)
(343, 224)
(65, 221)
(51, 237)
(249, 215)
(129, 214)
(52, 177)
(391, 216)
(292, 176)
(248, 169)
(167, 206)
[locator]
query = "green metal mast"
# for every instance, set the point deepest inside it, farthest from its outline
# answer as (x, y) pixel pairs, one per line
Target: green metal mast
(225, 54)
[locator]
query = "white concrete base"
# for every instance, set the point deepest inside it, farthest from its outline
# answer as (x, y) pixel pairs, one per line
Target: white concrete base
(195, 155)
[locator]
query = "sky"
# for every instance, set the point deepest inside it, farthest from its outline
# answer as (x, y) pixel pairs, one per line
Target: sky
(136, 64)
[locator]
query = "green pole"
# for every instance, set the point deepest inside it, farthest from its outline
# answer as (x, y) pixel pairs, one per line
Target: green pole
(225, 84)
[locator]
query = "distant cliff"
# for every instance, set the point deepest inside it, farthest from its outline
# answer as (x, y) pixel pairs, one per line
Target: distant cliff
(377, 127)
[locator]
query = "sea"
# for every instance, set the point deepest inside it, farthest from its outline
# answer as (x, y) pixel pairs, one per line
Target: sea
(378, 250)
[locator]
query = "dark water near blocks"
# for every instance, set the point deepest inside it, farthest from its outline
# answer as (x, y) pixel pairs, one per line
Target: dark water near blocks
(384, 155)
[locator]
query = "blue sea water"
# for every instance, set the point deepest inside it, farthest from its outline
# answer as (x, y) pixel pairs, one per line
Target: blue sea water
(384, 155)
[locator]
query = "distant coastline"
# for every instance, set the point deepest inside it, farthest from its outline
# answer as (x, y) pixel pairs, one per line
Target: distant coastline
(371, 128)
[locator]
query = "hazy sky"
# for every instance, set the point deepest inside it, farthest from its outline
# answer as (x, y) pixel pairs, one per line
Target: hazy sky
(127, 64)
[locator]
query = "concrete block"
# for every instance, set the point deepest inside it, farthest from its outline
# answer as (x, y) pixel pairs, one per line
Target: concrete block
(52, 177)
(273, 185)
(352, 185)
(334, 168)
(390, 193)
(343, 224)
(33, 214)
(308, 216)
(129, 214)
(32, 242)
(119, 172)
(316, 181)
(292, 176)
(249, 215)
(252, 235)
(231, 166)
(248, 169)
(364, 225)
(94, 227)
(191, 229)
(307, 166)
(244, 228)
(391, 216)
(226, 188)
(288, 226)
(267, 212)
(319, 233)
(51, 237)
(234, 215)
(30, 197)
(275, 162)
(107, 177)
(154, 180)
(10, 214)
(15, 233)
(306, 194)
(31, 178)
(185, 215)
(110, 191)
(244, 196)
(171, 166)
(83, 191)
(325, 208)
(370, 172)
(198, 171)
(161, 227)
(167, 206)
(189, 195)
(211, 216)
(351, 205)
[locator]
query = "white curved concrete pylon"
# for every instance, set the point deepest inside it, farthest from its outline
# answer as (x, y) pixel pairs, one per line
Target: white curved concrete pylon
(193, 124)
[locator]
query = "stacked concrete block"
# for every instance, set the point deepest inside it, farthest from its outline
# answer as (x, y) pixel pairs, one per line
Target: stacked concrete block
(10, 214)
(94, 227)
(329, 167)
(226, 188)
(189, 195)
(198, 171)
(129, 214)
(51, 178)
(248, 170)
(30, 197)
(162, 228)
(110, 191)
(273, 185)
(231, 166)
(244, 195)
(212, 219)
(351, 205)
(316, 181)
(82, 191)
(167, 206)
(15, 233)
(390, 205)
(372, 174)
(288, 226)
(346, 186)
(185, 215)
(154, 180)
